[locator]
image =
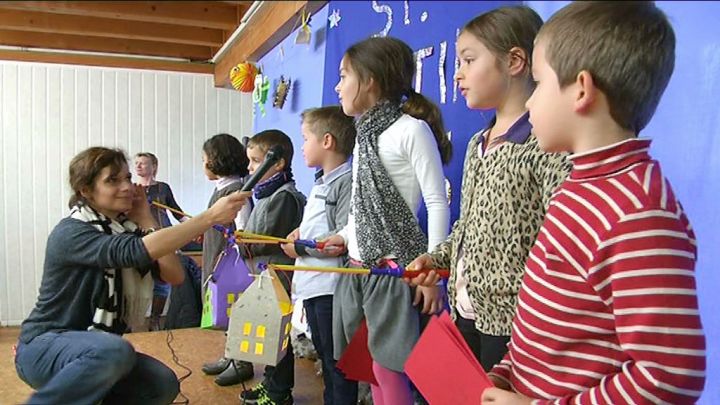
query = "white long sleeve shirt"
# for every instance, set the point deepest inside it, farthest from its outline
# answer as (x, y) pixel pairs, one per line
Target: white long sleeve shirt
(410, 154)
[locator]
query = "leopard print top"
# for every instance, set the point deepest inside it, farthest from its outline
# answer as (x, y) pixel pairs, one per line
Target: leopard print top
(503, 201)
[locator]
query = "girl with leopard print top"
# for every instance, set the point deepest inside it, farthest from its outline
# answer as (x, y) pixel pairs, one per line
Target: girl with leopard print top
(398, 156)
(507, 183)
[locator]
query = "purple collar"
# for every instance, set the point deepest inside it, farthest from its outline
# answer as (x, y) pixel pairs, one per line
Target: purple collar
(519, 132)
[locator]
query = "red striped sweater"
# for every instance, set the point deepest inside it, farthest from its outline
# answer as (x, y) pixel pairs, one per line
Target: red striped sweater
(607, 312)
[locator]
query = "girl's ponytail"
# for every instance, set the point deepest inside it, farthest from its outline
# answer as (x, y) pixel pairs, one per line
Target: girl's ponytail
(421, 108)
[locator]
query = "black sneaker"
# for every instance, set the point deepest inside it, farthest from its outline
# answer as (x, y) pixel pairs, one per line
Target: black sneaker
(237, 372)
(259, 396)
(216, 367)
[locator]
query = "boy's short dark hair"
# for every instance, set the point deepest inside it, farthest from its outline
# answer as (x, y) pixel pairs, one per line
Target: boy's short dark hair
(627, 47)
(265, 140)
(226, 156)
(332, 120)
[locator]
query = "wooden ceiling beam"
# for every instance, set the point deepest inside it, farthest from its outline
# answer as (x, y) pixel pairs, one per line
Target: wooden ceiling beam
(96, 44)
(190, 13)
(270, 24)
(109, 28)
(106, 61)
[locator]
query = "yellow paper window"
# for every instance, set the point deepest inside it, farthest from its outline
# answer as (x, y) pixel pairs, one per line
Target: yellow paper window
(247, 328)
(244, 346)
(261, 331)
(230, 298)
(258, 348)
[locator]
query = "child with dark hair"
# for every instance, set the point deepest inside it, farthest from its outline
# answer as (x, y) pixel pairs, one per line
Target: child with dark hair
(507, 182)
(225, 163)
(398, 156)
(278, 211)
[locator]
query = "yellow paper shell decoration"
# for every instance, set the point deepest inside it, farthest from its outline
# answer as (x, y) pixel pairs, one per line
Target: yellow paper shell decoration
(242, 77)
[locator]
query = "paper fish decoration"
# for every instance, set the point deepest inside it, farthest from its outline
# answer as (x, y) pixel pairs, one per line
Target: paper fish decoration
(281, 92)
(242, 77)
(260, 322)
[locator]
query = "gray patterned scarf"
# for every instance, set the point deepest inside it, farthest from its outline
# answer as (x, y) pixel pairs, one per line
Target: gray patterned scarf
(385, 224)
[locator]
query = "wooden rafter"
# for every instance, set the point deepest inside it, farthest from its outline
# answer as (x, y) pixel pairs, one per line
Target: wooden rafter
(109, 28)
(216, 15)
(106, 61)
(110, 45)
(270, 24)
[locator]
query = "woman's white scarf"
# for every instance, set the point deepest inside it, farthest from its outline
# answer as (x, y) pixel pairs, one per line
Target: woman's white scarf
(137, 286)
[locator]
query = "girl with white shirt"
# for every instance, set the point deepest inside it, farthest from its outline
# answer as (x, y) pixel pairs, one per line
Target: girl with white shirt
(397, 160)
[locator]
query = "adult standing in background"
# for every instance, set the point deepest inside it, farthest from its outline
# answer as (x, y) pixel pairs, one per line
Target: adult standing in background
(146, 165)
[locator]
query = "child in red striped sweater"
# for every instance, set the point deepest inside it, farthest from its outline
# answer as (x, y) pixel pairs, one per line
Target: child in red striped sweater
(608, 310)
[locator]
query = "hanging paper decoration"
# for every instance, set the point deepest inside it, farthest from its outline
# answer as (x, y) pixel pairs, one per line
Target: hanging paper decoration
(424, 16)
(334, 18)
(281, 92)
(259, 330)
(304, 32)
(387, 10)
(259, 95)
(419, 56)
(242, 77)
(441, 72)
(226, 283)
(406, 20)
(457, 67)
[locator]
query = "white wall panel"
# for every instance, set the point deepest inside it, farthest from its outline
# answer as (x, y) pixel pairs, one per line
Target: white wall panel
(49, 113)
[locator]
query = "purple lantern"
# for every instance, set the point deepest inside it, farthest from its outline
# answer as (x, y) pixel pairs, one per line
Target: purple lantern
(229, 279)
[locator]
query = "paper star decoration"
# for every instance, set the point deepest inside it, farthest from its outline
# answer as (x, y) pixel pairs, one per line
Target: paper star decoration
(335, 18)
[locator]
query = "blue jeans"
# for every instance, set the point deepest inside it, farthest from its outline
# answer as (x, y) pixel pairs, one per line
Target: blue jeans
(80, 367)
(338, 390)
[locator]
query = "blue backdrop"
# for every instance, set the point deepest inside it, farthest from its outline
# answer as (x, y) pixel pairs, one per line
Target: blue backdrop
(685, 128)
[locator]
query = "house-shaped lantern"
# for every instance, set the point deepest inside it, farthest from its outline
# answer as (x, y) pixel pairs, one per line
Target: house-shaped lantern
(229, 279)
(259, 330)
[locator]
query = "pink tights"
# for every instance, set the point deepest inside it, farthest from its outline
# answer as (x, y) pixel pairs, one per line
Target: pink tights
(393, 388)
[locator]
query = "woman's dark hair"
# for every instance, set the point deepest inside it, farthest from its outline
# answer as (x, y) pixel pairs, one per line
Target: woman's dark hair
(390, 63)
(226, 156)
(87, 165)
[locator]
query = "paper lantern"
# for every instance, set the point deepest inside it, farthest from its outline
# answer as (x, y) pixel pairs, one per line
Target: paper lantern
(242, 77)
(229, 279)
(260, 322)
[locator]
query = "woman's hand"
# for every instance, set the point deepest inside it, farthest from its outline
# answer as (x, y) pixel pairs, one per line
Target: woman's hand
(140, 211)
(226, 208)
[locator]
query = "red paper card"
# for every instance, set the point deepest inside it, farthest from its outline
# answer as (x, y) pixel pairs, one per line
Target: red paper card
(356, 361)
(443, 367)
